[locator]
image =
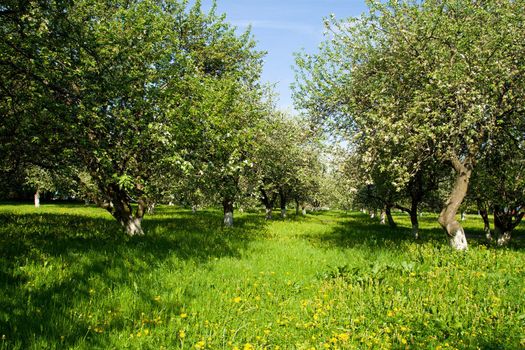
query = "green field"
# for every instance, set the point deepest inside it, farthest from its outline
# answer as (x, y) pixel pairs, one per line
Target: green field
(70, 279)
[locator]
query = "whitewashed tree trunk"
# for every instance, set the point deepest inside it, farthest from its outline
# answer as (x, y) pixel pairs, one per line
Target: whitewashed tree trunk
(458, 241)
(134, 227)
(283, 213)
(194, 209)
(382, 219)
(228, 219)
(462, 216)
(372, 214)
(37, 199)
(504, 238)
(415, 230)
(268, 212)
(304, 211)
(447, 217)
(151, 208)
(227, 205)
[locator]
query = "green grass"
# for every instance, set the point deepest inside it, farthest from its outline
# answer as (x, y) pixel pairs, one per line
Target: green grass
(69, 279)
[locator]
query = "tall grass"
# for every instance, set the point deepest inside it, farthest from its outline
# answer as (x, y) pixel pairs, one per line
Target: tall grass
(70, 279)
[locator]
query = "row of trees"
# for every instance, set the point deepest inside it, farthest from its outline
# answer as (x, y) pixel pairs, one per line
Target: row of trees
(143, 101)
(429, 96)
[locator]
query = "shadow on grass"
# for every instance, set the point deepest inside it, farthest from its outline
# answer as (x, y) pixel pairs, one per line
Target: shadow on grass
(49, 260)
(357, 229)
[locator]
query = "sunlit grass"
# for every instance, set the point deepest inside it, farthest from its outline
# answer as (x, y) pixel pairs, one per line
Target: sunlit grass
(70, 279)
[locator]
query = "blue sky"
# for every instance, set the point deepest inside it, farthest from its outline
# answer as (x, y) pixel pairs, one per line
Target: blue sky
(282, 27)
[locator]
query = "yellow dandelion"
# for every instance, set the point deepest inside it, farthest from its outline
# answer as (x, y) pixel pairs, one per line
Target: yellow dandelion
(343, 336)
(183, 315)
(200, 345)
(248, 346)
(157, 298)
(182, 334)
(237, 300)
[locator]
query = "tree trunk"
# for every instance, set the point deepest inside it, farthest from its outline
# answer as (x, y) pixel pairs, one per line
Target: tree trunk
(390, 219)
(447, 217)
(296, 207)
(193, 209)
(151, 207)
(268, 213)
(37, 198)
(120, 208)
(463, 215)
(282, 198)
(486, 223)
(268, 202)
(227, 205)
(505, 220)
(415, 223)
(382, 217)
(304, 210)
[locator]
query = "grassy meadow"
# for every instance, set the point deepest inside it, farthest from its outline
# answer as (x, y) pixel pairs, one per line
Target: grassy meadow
(70, 279)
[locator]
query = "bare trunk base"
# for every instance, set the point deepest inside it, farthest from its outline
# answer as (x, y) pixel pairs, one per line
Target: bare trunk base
(283, 213)
(268, 212)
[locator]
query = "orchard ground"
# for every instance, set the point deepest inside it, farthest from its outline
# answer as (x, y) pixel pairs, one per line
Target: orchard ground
(70, 279)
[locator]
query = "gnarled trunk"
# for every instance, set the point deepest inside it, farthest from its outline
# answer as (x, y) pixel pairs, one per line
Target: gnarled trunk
(447, 217)
(390, 219)
(227, 205)
(415, 223)
(486, 223)
(505, 220)
(268, 202)
(120, 208)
